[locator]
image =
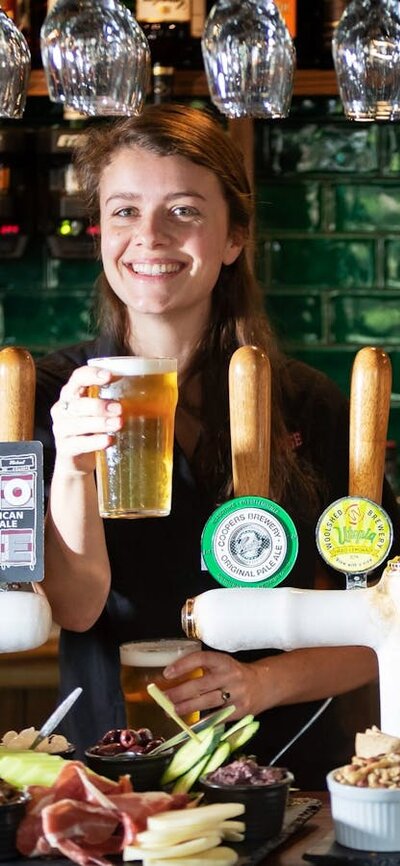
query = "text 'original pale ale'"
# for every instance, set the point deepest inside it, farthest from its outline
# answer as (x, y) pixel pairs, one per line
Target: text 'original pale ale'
(134, 474)
(143, 662)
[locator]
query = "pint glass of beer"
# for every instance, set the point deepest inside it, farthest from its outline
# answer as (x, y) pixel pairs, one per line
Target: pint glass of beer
(134, 474)
(143, 662)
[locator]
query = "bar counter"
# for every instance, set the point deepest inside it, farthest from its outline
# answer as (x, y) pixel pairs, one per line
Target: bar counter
(306, 838)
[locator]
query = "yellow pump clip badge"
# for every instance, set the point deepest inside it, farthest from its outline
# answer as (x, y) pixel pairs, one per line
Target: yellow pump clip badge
(354, 534)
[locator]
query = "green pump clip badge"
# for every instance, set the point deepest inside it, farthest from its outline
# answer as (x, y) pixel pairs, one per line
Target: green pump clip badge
(354, 535)
(249, 541)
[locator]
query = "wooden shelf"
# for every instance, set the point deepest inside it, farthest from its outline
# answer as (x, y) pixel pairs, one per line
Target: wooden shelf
(315, 82)
(308, 82)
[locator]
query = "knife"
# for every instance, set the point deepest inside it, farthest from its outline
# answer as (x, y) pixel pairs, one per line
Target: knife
(213, 719)
(56, 717)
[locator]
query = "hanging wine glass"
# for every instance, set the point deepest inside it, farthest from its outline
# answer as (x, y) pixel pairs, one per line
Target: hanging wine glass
(15, 67)
(96, 57)
(249, 59)
(366, 55)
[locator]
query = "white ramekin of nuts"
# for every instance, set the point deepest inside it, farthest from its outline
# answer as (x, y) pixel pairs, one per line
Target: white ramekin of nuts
(365, 800)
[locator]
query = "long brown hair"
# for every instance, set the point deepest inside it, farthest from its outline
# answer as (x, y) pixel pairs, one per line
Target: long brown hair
(237, 314)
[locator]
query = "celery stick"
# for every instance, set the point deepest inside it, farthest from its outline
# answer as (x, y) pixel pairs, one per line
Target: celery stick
(22, 768)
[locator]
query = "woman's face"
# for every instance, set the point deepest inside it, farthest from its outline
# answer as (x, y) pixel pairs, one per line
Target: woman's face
(164, 232)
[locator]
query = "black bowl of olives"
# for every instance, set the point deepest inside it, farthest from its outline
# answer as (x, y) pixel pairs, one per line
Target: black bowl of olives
(124, 751)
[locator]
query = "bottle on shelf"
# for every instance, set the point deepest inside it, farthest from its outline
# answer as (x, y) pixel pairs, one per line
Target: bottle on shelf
(288, 10)
(10, 8)
(316, 23)
(4, 178)
(34, 13)
(16, 212)
(163, 83)
(173, 29)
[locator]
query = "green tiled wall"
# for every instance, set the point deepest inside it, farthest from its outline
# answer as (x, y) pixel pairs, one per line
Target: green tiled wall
(328, 247)
(328, 237)
(46, 302)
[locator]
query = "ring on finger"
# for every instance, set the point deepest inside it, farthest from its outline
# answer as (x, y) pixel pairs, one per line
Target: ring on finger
(225, 696)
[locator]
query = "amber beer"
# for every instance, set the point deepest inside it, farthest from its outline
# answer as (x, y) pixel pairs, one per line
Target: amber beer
(143, 662)
(134, 474)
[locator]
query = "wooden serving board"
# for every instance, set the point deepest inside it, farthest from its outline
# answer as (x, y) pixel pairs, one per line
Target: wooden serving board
(250, 853)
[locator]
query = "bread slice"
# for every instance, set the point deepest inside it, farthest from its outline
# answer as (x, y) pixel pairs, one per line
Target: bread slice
(373, 742)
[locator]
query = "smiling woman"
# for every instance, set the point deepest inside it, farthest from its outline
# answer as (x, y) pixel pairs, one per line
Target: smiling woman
(163, 245)
(174, 203)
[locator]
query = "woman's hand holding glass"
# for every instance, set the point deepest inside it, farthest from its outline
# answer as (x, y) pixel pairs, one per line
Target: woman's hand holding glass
(83, 425)
(225, 681)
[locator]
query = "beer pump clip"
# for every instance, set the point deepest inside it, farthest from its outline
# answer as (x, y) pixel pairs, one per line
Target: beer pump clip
(25, 616)
(354, 533)
(250, 540)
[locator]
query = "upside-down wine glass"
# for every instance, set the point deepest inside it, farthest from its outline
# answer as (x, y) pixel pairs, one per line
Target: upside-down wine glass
(96, 57)
(366, 55)
(15, 67)
(249, 59)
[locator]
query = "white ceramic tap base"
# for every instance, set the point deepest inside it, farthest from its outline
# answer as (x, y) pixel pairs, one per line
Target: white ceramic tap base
(286, 618)
(25, 620)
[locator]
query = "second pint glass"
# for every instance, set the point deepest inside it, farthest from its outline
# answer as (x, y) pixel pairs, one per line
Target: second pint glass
(143, 662)
(134, 474)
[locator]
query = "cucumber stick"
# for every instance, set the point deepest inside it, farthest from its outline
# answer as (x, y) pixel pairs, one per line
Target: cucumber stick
(207, 764)
(217, 758)
(194, 759)
(236, 727)
(238, 738)
(188, 755)
(186, 782)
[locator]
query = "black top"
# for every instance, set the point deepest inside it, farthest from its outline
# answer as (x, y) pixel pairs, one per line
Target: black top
(156, 566)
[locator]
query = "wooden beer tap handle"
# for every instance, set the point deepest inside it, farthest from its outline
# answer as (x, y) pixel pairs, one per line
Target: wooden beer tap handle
(250, 419)
(371, 384)
(17, 394)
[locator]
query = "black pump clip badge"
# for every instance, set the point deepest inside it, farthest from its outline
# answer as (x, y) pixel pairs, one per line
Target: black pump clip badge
(21, 512)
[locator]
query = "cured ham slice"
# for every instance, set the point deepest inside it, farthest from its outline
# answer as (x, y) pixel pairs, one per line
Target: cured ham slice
(135, 809)
(86, 817)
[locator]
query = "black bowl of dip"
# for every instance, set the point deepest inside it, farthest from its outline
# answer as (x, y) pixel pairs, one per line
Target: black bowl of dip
(263, 791)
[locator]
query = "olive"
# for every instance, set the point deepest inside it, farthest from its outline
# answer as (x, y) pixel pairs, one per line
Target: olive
(144, 735)
(108, 749)
(112, 736)
(128, 738)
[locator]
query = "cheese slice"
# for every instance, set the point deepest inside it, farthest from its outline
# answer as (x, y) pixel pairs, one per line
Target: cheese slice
(173, 835)
(183, 849)
(373, 742)
(202, 816)
(220, 856)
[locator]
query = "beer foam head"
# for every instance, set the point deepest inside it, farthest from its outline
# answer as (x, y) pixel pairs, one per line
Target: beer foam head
(157, 653)
(129, 365)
